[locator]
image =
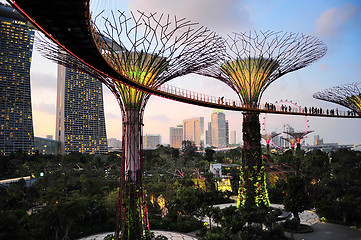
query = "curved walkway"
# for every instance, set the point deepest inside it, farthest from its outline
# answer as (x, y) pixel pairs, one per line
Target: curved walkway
(169, 235)
(329, 231)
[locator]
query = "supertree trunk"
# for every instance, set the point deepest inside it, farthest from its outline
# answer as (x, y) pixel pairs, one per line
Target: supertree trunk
(268, 148)
(253, 189)
(132, 218)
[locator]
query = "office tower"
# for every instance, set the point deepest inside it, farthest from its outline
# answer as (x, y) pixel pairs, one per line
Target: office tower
(151, 141)
(318, 140)
(193, 130)
(80, 123)
(16, 44)
(209, 135)
(219, 129)
(227, 133)
(233, 138)
(176, 136)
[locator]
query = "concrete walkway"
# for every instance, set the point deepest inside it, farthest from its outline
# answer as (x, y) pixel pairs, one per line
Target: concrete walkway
(329, 231)
(169, 235)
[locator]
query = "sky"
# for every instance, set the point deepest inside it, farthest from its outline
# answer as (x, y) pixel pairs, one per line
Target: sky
(337, 23)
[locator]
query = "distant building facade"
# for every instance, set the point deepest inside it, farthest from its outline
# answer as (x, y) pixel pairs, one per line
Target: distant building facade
(176, 136)
(151, 141)
(219, 130)
(193, 130)
(318, 140)
(46, 146)
(80, 122)
(16, 46)
(114, 143)
(209, 135)
(233, 138)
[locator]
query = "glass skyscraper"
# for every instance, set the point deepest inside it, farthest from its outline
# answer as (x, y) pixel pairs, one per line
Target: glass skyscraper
(80, 122)
(218, 130)
(16, 44)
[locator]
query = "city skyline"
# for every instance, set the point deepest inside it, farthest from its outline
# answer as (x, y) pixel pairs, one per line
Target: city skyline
(337, 23)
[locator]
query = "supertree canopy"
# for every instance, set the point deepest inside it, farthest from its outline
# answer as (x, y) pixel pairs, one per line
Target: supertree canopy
(347, 95)
(298, 136)
(151, 50)
(291, 141)
(268, 138)
(251, 62)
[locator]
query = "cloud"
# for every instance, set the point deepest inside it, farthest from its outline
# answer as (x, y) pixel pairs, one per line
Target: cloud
(335, 21)
(112, 116)
(221, 16)
(45, 108)
(323, 67)
(43, 81)
(159, 118)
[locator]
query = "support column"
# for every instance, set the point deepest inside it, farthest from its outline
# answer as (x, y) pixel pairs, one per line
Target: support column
(253, 189)
(132, 218)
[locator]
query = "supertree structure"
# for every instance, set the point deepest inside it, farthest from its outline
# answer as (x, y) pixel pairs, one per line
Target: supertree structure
(251, 62)
(298, 136)
(347, 95)
(291, 141)
(151, 50)
(268, 138)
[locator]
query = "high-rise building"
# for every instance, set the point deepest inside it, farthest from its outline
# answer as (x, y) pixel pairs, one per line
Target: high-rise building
(318, 140)
(176, 136)
(219, 128)
(209, 135)
(16, 45)
(233, 138)
(151, 141)
(80, 123)
(193, 130)
(227, 133)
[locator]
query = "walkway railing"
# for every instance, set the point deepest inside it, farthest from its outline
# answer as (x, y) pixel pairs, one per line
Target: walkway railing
(218, 102)
(268, 107)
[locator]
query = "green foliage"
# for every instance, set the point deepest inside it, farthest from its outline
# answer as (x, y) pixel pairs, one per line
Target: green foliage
(329, 182)
(237, 224)
(297, 199)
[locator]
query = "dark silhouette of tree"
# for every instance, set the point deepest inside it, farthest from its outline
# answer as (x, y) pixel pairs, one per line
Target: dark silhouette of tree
(296, 199)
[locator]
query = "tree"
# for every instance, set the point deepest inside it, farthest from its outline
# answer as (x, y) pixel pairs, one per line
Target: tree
(208, 155)
(296, 199)
(188, 147)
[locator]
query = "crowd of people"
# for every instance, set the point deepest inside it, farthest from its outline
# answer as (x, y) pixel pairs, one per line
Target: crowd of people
(288, 108)
(309, 110)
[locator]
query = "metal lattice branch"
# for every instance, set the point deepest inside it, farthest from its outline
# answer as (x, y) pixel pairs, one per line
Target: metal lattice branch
(291, 141)
(298, 135)
(269, 137)
(253, 60)
(152, 49)
(347, 95)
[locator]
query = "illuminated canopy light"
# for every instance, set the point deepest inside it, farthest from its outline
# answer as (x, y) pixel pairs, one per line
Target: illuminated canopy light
(139, 67)
(356, 100)
(249, 76)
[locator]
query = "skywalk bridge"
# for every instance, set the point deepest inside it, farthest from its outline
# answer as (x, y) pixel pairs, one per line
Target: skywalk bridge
(68, 24)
